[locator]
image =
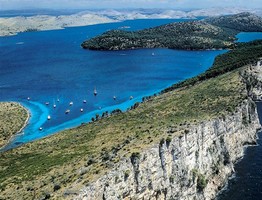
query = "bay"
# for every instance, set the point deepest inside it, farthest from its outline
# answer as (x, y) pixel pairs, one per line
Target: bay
(50, 65)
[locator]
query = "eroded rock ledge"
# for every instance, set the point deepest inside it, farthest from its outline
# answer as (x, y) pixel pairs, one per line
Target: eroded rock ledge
(193, 166)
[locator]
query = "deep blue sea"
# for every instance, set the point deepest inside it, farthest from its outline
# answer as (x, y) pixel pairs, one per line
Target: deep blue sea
(247, 37)
(50, 65)
(247, 181)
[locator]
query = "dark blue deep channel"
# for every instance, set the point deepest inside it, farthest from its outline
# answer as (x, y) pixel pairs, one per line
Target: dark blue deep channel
(246, 183)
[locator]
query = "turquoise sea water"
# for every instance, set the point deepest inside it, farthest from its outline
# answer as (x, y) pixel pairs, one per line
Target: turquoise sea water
(51, 65)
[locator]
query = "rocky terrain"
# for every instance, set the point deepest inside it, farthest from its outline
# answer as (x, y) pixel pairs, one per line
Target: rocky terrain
(212, 33)
(194, 165)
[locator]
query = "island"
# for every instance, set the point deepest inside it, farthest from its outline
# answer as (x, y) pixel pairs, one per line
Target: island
(182, 143)
(210, 33)
(13, 25)
(14, 118)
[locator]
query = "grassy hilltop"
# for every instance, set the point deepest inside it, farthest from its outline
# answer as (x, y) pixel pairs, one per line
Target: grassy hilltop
(217, 32)
(49, 167)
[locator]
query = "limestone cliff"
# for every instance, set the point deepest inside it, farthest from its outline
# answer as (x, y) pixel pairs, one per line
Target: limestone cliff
(193, 166)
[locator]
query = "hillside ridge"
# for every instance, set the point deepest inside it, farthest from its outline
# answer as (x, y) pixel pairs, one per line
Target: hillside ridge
(211, 33)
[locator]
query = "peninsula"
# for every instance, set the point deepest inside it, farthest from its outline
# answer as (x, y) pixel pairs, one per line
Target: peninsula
(13, 117)
(211, 33)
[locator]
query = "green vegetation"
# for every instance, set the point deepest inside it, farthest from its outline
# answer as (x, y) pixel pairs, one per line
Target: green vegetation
(229, 61)
(206, 34)
(244, 22)
(201, 180)
(13, 117)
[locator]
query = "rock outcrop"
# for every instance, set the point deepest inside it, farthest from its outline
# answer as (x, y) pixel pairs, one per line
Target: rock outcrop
(194, 165)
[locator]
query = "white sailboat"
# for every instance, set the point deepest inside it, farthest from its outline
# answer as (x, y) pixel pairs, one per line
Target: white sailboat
(95, 92)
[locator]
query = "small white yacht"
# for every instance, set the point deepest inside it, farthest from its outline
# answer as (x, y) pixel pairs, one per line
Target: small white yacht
(71, 103)
(81, 110)
(48, 117)
(84, 101)
(114, 97)
(67, 111)
(95, 92)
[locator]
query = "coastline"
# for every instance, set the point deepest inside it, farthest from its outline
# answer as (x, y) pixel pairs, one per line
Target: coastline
(22, 128)
(27, 119)
(68, 141)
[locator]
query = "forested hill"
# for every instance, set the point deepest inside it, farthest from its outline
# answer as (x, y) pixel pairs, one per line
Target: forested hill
(243, 54)
(244, 22)
(216, 32)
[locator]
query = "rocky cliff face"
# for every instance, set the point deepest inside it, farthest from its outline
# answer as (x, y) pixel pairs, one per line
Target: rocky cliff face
(192, 166)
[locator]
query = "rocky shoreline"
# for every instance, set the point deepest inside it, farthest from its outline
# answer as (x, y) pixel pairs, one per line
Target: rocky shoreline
(195, 165)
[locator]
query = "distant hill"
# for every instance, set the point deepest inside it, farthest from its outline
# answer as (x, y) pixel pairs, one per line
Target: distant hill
(245, 22)
(215, 32)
